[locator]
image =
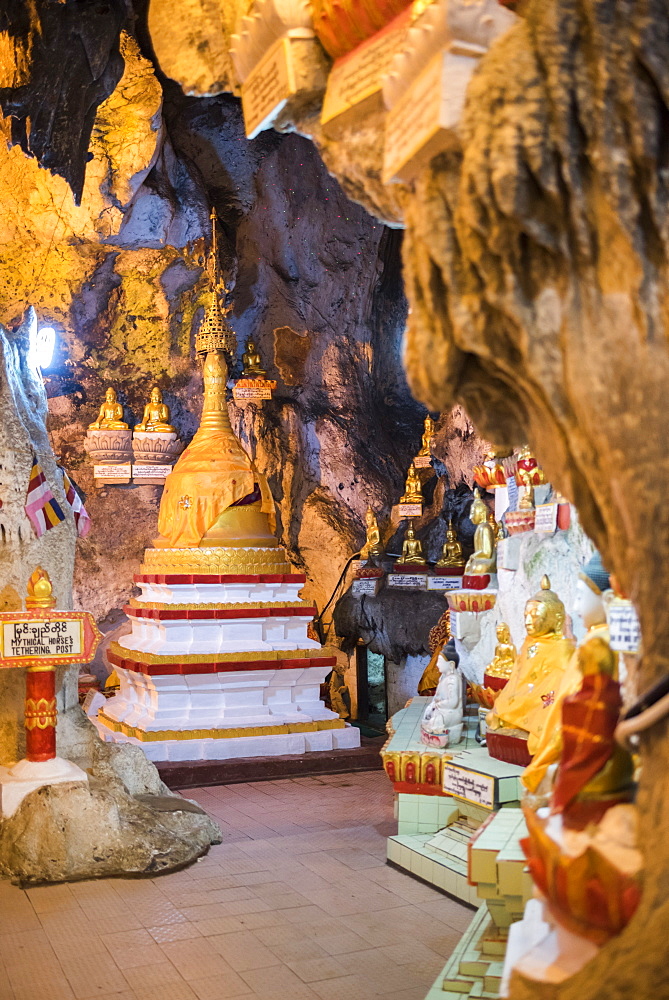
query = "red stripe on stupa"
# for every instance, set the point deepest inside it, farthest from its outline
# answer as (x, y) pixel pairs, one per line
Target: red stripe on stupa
(216, 614)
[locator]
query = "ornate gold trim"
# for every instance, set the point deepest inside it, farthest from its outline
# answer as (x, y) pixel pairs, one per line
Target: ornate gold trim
(219, 561)
(40, 713)
(219, 734)
(232, 606)
(256, 654)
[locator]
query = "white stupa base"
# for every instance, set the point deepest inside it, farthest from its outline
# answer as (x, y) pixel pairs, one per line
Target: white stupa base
(240, 746)
(26, 776)
(542, 951)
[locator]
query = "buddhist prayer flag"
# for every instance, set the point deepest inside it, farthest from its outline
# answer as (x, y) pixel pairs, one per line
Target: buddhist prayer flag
(81, 516)
(42, 507)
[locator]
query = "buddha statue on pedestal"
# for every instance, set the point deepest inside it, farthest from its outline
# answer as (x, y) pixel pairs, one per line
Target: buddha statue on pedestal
(428, 433)
(252, 365)
(523, 704)
(589, 605)
(504, 659)
(442, 722)
(156, 415)
(412, 488)
(372, 546)
(412, 550)
(110, 416)
(451, 554)
(483, 563)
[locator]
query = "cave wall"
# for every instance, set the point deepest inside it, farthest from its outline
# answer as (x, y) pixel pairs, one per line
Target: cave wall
(314, 279)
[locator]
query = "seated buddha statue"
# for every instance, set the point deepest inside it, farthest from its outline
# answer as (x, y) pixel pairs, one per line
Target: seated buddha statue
(252, 365)
(412, 549)
(442, 721)
(412, 490)
(523, 703)
(594, 772)
(483, 563)
(372, 546)
(428, 434)
(451, 553)
(156, 415)
(110, 416)
(505, 655)
(589, 606)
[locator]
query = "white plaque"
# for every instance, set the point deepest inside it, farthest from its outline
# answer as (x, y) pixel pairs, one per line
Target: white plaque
(366, 585)
(267, 88)
(252, 392)
(409, 581)
(358, 76)
(545, 518)
(444, 582)
(422, 462)
(469, 785)
(512, 487)
(624, 628)
(150, 471)
(42, 638)
(410, 509)
(112, 471)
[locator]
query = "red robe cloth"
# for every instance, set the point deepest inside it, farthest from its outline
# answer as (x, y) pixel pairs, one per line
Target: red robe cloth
(589, 719)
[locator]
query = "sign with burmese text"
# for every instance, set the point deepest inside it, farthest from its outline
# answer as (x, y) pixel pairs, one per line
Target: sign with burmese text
(624, 628)
(469, 785)
(40, 638)
(368, 585)
(48, 637)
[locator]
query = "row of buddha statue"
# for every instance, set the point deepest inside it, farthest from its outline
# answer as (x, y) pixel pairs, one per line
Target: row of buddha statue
(155, 419)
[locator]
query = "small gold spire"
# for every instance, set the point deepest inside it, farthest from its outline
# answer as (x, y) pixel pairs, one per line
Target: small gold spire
(215, 333)
(40, 590)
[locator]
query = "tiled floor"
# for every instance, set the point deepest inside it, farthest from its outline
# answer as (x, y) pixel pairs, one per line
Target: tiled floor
(297, 903)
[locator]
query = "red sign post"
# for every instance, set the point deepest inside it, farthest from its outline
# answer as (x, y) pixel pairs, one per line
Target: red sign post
(40, 639)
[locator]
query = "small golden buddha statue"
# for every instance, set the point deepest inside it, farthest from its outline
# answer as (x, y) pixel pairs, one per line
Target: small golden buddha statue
(372, 546)
(110, 416)
(412, 549)
(538, 671)
(252, 365)
(451, 553)
(504, 659)
(412, 489)
(156, 415)
(484, 560)
(428, 434)
(526, 502)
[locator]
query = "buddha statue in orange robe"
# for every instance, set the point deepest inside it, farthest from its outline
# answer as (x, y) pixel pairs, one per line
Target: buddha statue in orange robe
(523, 704)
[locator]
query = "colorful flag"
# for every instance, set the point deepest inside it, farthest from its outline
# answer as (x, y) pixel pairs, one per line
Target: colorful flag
(81, 516)
(42, 507)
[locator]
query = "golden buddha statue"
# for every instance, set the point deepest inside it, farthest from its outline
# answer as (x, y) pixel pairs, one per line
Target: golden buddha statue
(412, 489)
(156, 415)
(526, 502)
(504, 659)
(110, 416)
(252, 366)
(536, 676)
(214, 495)
(428, 433)
(372, 546)
(412, 549)
(451, 553)
(484, 560)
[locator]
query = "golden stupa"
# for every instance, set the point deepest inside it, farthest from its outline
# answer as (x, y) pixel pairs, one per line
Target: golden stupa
(215, 496)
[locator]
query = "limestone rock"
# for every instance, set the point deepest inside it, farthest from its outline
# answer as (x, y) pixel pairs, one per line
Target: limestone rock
(191, 41)
(82, 830)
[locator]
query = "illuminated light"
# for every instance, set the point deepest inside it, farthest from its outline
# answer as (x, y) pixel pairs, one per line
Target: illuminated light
(42, 344)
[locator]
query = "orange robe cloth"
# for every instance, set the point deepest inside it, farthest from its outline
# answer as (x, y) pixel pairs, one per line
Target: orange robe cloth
(589, 720)
(212, 474)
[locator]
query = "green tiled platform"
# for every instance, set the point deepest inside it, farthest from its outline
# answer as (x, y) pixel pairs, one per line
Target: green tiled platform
(433, 830)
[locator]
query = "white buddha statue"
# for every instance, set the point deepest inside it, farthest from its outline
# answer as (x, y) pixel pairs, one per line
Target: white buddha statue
(441, 725)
